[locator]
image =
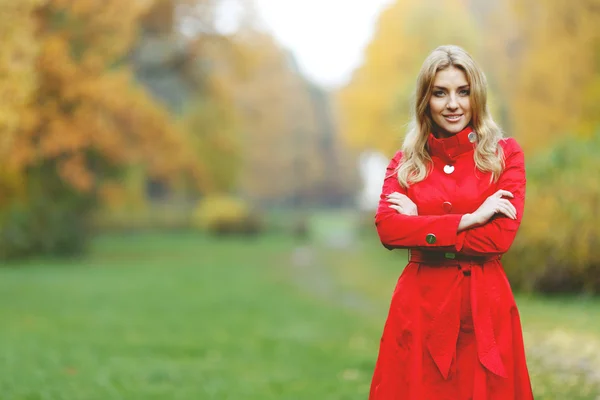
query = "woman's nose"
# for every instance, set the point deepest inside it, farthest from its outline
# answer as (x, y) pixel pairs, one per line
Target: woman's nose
(452, 103)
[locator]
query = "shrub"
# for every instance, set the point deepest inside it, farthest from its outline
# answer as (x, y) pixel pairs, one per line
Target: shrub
(222, 215)
(558, 246)
(55, 226)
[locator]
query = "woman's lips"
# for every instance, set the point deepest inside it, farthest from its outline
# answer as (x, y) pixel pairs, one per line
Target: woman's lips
(453, 118)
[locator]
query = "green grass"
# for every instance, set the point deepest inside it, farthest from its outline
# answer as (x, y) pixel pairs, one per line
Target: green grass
(179, 317)
(189, 317)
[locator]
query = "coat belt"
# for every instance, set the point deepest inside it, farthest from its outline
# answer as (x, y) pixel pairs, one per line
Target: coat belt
(443, 334)
(440, 257)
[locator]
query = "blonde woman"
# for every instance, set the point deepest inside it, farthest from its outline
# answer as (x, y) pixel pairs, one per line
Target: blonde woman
(453, 195)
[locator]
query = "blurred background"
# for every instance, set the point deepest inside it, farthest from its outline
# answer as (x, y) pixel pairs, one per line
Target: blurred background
(187, 189)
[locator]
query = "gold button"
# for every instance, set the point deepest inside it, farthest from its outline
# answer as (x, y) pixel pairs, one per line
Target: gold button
(472, 136)
(430, 238)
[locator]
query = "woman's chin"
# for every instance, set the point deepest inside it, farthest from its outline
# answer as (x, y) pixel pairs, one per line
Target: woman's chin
(455, 128)
(450, 130)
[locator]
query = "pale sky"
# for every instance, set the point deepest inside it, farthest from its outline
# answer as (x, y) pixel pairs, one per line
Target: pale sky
(326, 36)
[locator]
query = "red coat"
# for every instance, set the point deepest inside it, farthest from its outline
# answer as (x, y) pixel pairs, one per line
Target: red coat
(453, 331)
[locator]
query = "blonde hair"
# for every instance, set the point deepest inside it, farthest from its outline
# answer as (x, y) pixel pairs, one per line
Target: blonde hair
(416, 162)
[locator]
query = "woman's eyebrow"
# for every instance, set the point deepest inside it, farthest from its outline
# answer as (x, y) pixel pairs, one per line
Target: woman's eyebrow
(444, 88)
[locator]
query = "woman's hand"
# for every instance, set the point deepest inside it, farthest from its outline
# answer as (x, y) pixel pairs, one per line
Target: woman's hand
(402, 204)
(496, 204)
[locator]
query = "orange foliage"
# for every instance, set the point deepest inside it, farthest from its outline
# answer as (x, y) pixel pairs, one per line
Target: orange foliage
(375, 106)
(86, 104)
(17, 83)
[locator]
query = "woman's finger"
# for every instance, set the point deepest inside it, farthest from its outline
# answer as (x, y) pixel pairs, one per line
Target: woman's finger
(510, 206)
(402, 199)
(503, 193)
(501, 209)
(395, 201)
(396, 195)
(397, 208)
(506, 210)
(513, 209)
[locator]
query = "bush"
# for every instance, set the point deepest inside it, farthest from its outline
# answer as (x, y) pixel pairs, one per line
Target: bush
(224, 215)
(164, 216)
(558, 246)
(44, 226)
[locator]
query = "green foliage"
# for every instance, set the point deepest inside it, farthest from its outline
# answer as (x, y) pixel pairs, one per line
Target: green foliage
(557, 248)
(51, 221)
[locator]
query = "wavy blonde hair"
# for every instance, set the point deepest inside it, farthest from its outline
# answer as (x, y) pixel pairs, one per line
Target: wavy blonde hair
(416, 162)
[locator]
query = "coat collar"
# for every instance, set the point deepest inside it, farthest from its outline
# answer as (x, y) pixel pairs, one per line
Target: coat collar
(451, 147)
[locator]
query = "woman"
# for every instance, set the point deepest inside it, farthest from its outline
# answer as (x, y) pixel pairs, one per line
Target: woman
(454, 196)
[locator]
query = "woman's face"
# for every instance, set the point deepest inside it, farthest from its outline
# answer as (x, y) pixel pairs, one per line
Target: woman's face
(450, 104)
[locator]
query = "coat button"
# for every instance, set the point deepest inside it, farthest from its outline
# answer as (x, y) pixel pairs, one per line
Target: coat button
(447, 206)
(472, 136)
(430, 238)
(448, 169)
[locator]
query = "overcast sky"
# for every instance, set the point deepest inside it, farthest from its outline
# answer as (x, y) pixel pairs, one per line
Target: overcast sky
(326, 36)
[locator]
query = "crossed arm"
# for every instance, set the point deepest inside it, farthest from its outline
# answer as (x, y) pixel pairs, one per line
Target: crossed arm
(491, 229)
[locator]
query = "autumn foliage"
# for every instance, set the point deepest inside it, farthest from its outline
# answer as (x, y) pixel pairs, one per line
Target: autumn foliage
(110, 107)
(76, 119)
(113, 107)
(542, 61)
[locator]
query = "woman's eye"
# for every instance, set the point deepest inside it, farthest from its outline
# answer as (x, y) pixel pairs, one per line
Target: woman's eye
(438, 93)
(465, 92)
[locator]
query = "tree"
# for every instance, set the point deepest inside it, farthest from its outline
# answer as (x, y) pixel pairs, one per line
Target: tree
(17, 69)
(194, 69)
(91, 121)
(555, 71)
(375, 105)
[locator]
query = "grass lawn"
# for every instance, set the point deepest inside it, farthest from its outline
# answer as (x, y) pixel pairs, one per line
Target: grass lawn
(188, 317)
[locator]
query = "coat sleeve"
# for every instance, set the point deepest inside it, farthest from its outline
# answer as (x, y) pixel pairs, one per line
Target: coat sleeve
(496, 236)
(411, 231)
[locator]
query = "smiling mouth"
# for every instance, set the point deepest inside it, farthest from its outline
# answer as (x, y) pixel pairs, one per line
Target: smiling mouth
(453, 118)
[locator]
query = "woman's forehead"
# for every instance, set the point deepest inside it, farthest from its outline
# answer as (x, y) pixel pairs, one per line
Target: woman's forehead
(450, 77)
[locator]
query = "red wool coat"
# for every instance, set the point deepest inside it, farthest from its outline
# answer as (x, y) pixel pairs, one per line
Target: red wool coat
(453, 331)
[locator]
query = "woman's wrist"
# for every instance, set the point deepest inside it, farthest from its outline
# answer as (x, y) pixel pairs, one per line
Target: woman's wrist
(468, 221)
